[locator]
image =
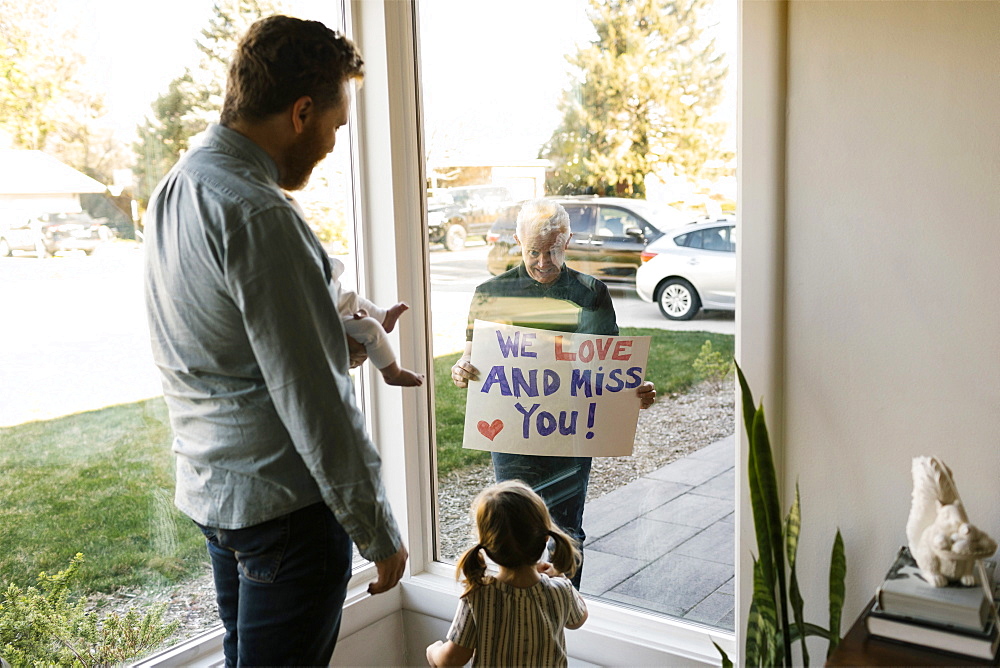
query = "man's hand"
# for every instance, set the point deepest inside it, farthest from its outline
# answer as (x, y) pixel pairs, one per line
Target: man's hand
(390, 570)
(463, 372)
(357, 352)
(647, 394)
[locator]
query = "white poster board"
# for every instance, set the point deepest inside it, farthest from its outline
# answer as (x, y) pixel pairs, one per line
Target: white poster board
(551, 393)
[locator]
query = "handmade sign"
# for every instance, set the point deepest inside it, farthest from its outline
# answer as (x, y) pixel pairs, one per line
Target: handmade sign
(553, 393)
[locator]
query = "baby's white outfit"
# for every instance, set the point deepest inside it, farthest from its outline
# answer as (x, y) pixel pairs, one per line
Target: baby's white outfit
(367, 331)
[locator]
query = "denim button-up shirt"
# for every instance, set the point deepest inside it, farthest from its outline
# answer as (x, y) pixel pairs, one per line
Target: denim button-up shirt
(252, 351)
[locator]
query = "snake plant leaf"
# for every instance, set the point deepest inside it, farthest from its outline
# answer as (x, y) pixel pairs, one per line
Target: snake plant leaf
(760, 444)
(793, 525)
(756, 496)
(808, 629)
(795, 598)
(760, 520)
(752, 648)
(761, 615)
(838, 574)
(726, 661)
(762, 624)
(747, 400)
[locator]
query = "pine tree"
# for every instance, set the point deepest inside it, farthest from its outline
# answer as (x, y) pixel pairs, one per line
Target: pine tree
(44, 104)
(645, 92)
(193, 100)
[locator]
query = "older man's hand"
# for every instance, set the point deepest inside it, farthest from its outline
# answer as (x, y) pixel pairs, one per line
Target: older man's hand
(463, 372)
(647, 394)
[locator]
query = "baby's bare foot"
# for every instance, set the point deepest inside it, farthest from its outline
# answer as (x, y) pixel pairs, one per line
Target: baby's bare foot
(396, 375)
(392, 315)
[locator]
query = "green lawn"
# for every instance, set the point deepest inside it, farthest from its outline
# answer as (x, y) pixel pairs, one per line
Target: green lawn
(671, 355)
(101, 482)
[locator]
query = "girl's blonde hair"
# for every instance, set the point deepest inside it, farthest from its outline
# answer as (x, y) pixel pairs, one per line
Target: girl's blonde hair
(514, 527)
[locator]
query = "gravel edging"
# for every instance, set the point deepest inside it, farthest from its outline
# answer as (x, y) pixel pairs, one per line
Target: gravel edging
(674, 426)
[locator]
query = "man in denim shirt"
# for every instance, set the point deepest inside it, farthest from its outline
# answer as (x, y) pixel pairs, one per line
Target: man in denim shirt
(542, 292)
(273, 460)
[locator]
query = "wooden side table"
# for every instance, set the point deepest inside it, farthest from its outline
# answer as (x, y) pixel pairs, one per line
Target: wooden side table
(859, 649)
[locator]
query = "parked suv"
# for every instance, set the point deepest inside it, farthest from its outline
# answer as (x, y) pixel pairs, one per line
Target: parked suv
(454, 214)
(609, 235)
(50, 233)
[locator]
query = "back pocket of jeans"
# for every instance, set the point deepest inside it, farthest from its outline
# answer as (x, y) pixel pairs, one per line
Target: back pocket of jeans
(259, 549)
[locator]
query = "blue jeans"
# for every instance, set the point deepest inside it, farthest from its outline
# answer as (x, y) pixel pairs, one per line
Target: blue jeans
(280, 587)
(561, 481)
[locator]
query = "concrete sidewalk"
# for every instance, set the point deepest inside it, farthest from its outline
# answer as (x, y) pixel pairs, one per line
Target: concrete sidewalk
(665, 542)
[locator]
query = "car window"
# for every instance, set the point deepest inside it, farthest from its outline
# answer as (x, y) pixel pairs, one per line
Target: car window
(613, 222)
(715, 239)
(712, 238)
(581, 220)
(690, 239)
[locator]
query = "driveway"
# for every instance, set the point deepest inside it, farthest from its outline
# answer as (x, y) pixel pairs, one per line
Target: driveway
(73, 334)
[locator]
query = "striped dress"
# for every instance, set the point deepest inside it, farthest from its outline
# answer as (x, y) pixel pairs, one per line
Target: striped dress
(511, 626)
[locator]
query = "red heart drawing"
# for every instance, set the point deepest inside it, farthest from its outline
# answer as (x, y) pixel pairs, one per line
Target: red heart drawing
(490, 430)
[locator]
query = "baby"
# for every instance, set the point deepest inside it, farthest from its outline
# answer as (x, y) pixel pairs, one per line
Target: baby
(368, 323)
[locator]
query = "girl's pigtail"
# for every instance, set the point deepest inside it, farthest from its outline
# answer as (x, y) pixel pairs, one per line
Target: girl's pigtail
(472, 566)
(566, 555)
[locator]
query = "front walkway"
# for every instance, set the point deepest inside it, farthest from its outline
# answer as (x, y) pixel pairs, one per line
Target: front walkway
(665, 542)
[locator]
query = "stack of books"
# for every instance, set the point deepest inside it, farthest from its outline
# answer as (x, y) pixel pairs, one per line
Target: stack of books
(958, 619)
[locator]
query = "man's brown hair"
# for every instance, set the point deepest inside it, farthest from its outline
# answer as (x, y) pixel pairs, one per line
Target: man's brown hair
(281, 59)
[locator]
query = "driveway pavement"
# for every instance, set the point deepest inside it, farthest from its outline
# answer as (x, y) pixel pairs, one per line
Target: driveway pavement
(73, 334)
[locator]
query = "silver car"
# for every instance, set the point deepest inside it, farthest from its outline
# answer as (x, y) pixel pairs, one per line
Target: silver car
(691, 268)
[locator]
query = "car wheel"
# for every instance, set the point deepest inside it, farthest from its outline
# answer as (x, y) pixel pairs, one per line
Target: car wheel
(5, 250)
(41, 251)
(678, 300)
(454, 237)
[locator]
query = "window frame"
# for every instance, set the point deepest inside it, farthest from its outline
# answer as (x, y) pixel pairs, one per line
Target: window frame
(388, 145)
(391, 156)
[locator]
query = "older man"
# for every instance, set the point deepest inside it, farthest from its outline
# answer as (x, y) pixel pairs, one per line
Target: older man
(273, 460)
(544, 293)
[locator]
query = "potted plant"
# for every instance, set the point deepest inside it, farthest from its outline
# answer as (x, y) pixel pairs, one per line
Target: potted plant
(775, 620)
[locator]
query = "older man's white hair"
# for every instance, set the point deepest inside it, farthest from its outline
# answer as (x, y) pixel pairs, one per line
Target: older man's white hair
(539, 217)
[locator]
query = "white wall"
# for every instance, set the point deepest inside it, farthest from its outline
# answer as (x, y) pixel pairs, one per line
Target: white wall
(875, 264)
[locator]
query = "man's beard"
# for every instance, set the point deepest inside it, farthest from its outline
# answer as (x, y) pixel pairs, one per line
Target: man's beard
(302, 159)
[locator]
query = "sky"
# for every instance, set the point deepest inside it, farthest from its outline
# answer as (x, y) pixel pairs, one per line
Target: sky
(492, 71)
(511, 55)
(134, 48)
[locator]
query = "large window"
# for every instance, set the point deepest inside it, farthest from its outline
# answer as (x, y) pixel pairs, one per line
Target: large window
(596, 105)
(100, 100)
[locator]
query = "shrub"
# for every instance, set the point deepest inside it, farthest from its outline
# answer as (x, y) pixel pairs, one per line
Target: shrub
(712, 366)
(41, 626)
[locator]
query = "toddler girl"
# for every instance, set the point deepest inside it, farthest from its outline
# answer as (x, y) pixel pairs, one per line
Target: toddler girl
(517, 617)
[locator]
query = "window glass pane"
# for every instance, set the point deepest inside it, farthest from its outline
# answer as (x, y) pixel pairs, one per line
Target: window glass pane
(602, 126)
(100, 99)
